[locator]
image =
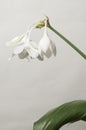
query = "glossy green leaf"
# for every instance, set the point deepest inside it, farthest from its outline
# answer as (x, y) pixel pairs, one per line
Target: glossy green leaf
(66, 113)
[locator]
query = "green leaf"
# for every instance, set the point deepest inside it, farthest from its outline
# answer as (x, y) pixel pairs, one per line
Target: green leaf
(66, 113)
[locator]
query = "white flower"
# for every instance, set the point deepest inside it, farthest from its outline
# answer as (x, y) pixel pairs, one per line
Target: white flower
(25, 48)
(46, 46)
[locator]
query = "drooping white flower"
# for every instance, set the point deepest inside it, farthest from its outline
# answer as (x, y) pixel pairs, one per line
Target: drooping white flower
(24, 47)
(46, 46)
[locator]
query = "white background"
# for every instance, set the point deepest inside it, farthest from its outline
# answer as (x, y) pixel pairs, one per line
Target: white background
(29, 89)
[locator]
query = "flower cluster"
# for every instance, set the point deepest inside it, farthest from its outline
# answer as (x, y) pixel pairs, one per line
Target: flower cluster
(24, 47)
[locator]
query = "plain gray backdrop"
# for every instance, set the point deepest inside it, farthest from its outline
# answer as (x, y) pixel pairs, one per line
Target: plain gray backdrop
(30, 89)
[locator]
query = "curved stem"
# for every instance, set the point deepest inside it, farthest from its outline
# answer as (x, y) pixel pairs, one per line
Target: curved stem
(67, 41)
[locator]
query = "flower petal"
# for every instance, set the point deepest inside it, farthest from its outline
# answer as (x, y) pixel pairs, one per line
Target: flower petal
(18, 49)
(40, 57)
(16, 41)
(53, 48)
(34, 44)
(48, 53)
(41, 54)
(33, 49)
(33, 52)
(44, 43)
(23, 54)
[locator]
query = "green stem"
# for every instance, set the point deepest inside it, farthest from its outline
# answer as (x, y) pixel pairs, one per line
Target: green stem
(67, 41)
